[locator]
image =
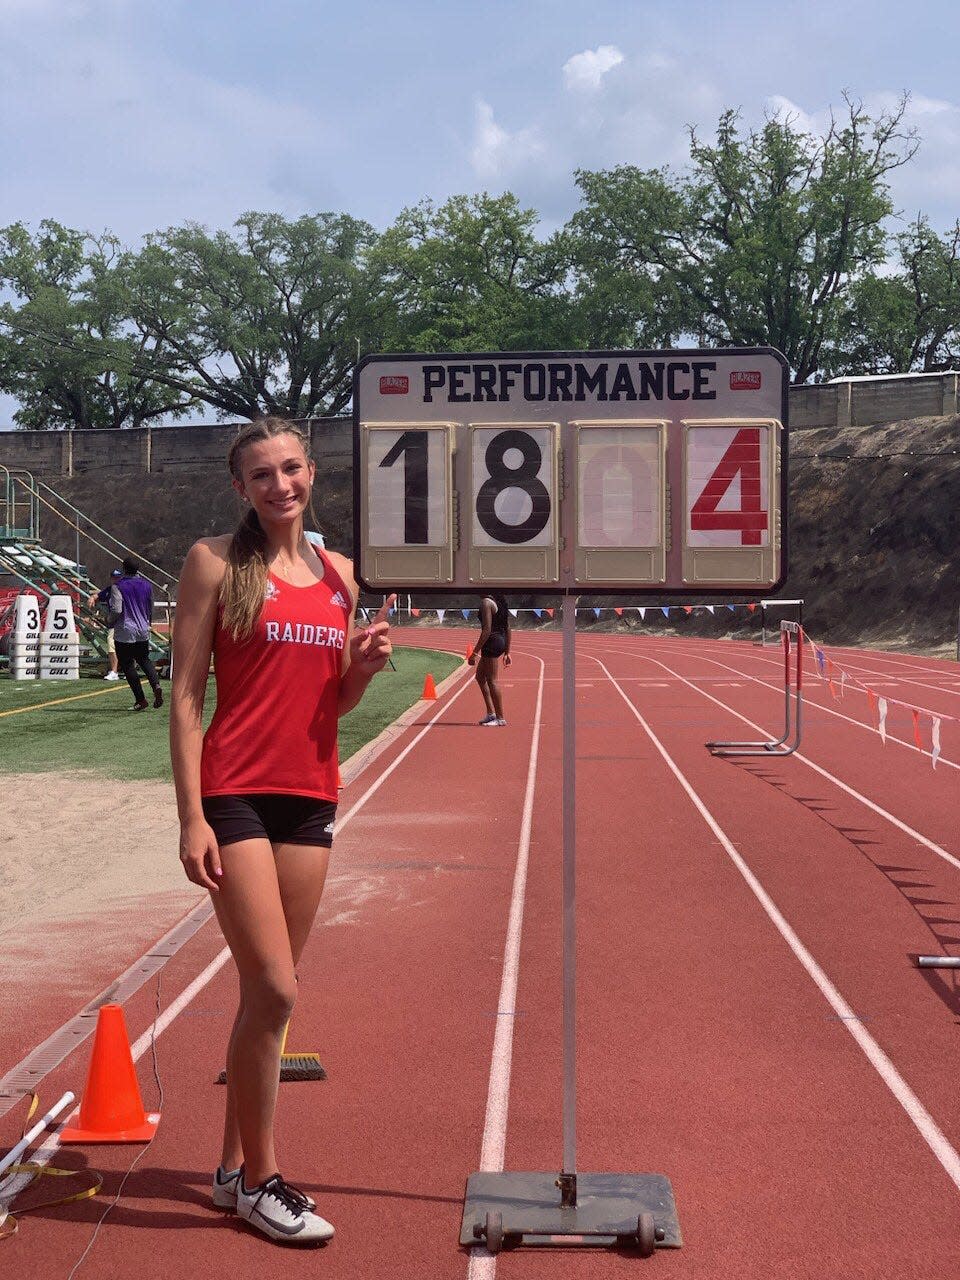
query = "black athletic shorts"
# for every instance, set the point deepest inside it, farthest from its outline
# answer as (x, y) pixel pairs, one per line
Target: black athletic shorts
(278, 818)
(495, 646)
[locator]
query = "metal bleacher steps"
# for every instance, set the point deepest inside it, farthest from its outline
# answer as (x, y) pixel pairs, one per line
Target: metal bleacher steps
(27, 565)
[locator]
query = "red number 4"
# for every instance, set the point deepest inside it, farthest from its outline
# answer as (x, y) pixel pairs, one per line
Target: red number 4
(741, 458)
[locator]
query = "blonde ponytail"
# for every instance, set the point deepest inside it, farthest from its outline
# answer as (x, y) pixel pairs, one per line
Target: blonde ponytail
(245, 581)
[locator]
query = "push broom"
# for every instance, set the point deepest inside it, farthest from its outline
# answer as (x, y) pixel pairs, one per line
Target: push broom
(293, 1066)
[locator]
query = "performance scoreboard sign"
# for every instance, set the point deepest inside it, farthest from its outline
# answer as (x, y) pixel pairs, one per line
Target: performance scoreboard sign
(571, 472)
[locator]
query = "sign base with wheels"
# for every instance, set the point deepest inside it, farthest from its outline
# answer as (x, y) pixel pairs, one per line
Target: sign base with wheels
(634, 1211)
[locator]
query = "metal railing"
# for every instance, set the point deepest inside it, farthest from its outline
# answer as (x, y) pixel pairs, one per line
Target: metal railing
(10, 525)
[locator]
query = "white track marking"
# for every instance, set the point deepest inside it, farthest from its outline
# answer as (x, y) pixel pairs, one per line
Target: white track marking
(900, 662)
(46, 1150)
(885, 682)
(931, 1133)
(375, 786)
(832, 711)
(897, 681)
(482, 1265)
(824, 773)
(173, 1010)
(851, 658)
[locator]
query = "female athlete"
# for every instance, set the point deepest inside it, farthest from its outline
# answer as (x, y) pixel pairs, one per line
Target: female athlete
(257, 794)
(493, 644)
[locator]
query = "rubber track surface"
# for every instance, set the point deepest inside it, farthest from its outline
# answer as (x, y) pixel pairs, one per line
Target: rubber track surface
(706, 1050)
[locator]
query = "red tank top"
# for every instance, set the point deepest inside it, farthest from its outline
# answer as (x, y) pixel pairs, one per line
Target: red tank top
(275, 726)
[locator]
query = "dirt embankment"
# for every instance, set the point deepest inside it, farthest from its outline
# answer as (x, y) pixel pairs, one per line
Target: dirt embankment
(874, 526)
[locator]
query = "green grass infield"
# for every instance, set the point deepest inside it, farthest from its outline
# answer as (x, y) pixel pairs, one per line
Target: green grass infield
(88, 724)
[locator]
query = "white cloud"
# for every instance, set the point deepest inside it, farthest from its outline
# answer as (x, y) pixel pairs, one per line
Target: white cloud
(584, 72)
(783, 109)
(639, 118)
(496, 152)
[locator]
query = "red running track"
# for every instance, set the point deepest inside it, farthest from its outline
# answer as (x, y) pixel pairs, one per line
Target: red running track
(751, 1022)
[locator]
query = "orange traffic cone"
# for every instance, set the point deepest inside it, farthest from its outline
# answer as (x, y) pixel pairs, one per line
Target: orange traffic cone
(112, 1109)
(429, 689)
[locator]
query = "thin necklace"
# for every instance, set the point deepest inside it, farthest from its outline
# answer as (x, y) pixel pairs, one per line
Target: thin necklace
(284, 569)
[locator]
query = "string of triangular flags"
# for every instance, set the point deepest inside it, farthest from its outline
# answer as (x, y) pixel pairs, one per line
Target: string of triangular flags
(838, 681)
(667, 610)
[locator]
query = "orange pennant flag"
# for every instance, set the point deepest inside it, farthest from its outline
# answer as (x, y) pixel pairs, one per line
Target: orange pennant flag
(548, 612)
(916, 728)
(618, 612)
(832, 686)
(415, 612)
(751, 607)
(688, 608)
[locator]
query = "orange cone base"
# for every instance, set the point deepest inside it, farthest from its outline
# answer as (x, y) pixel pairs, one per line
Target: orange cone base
(140, 1133)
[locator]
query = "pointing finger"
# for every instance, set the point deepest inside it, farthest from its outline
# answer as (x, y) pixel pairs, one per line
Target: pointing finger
(384, 610)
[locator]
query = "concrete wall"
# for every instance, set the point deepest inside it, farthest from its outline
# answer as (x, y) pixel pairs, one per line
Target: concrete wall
(896, 399)
(68, 453)
(813, 406)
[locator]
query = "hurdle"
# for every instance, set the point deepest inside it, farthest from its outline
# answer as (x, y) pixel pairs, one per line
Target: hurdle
(793, 694)
(769, 628)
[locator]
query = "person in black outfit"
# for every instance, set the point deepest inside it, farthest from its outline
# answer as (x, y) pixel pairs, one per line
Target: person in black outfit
(494, 644)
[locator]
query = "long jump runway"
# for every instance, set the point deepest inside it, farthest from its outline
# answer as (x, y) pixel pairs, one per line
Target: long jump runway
(751, 1022)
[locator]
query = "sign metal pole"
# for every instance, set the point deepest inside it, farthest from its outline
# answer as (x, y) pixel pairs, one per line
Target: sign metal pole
(568, 1178)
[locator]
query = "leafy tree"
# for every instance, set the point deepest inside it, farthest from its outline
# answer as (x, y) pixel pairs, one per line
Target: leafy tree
(759, 242)
(262, 320)
(909, 320)
(472, 275)
(67, 350)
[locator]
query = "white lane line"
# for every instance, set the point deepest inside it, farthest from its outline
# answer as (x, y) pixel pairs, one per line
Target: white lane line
(765, 684)
(852, 664)
(381, 779)
(45, 1151)
(824, 773)
(945, 667)
(482, 1265)
(929, 1130)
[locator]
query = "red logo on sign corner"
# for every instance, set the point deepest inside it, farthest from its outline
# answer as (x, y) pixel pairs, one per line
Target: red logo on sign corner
(745, 380)
(394, 384)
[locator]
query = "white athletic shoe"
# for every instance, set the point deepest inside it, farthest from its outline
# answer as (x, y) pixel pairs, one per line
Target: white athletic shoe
(223, 1191)
(111, 675)
(487, 720)
(279, 1211)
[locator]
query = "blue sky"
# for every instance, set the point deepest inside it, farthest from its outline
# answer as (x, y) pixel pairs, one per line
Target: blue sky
(129, 115)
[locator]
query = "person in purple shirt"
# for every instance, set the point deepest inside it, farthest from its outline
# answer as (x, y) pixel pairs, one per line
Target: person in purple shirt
(131, 608)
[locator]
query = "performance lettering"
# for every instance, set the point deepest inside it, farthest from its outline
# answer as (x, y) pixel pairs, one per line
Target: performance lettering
(556, 380)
